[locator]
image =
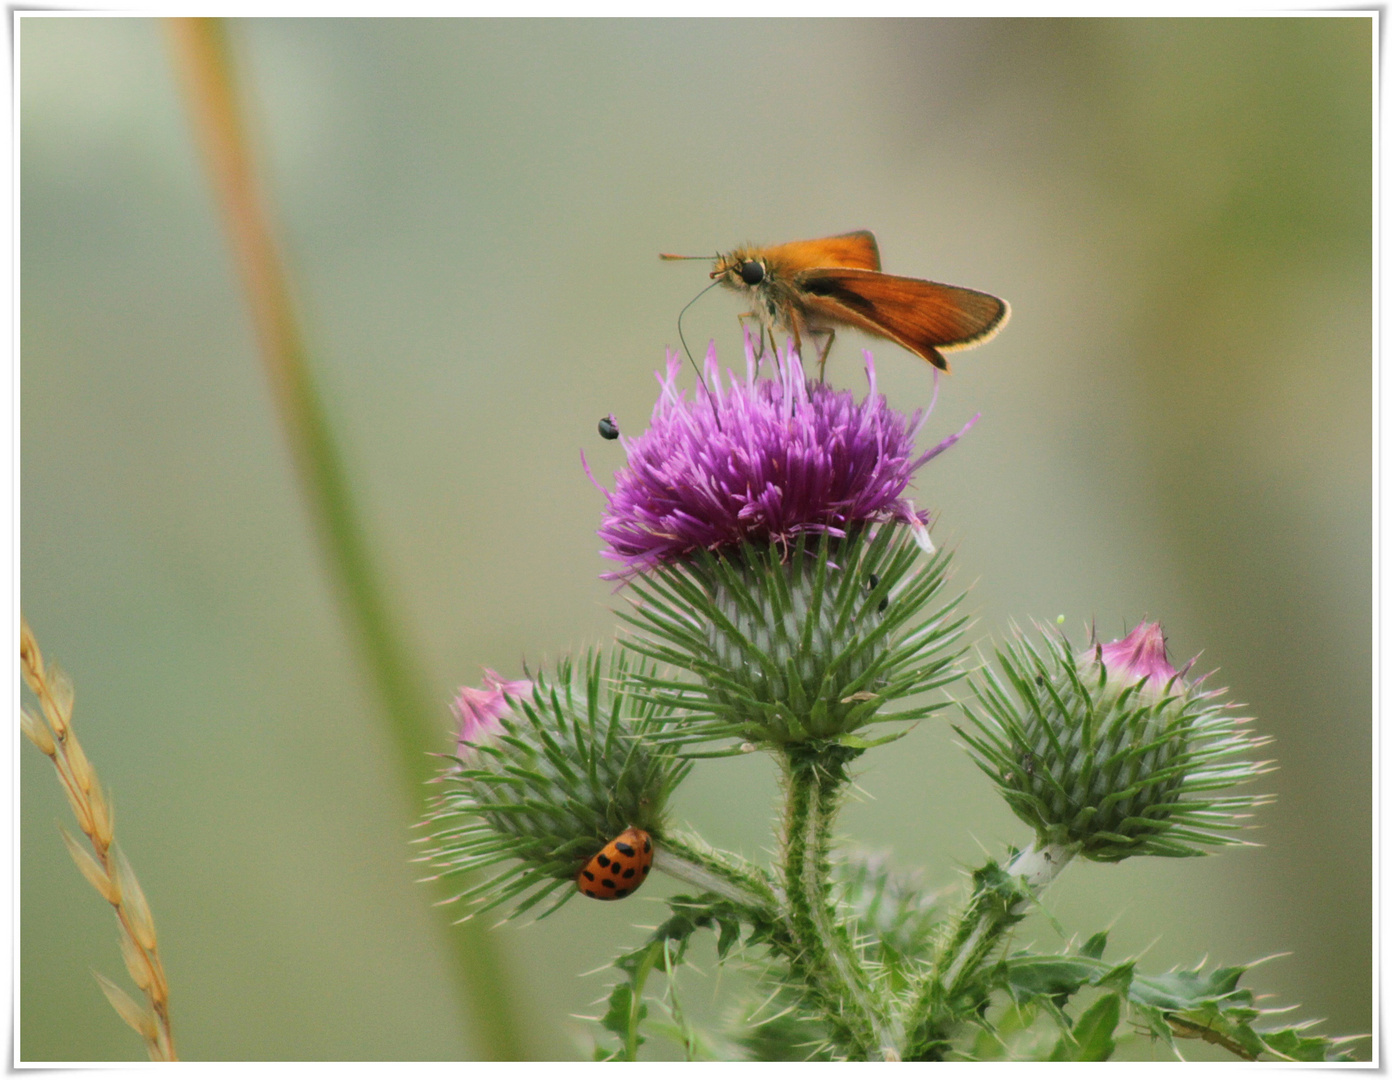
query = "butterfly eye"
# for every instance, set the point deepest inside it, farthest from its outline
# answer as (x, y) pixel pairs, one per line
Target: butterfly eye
(751, 272)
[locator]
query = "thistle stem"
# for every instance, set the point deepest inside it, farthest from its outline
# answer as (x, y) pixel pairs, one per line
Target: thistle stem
(1040, 866)
(707, 870)
(825, 959)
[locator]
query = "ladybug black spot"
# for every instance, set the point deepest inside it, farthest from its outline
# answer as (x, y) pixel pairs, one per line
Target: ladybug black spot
(647, 845)
(590, 893)
(588, 875)
(620, 894)
(602, 859)
(606, 883)
(625, 849)
(645, 871)
(628, 873)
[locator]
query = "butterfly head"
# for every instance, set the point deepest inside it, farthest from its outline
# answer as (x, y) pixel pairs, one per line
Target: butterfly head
(742, 268)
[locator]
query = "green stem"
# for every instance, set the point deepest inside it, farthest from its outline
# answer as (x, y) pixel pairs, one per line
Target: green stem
(201, 47)
(824, 958)
(708, 870)
(638, 981)
(830, 783)
(1000, 899)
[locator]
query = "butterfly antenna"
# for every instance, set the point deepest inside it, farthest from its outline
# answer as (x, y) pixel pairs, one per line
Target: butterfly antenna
(695, 367)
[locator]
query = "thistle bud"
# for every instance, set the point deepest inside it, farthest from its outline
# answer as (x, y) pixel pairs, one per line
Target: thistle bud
(551, 771)
(478, 710)
(1110, 751)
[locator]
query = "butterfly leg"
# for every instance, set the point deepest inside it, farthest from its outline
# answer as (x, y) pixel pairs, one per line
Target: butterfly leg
(751, 315)
(826, 348)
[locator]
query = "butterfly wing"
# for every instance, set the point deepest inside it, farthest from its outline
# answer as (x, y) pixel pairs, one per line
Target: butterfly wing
(922, 316)
(852, 249)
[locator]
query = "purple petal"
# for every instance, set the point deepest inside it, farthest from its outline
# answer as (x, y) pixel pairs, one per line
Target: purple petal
(762, 459)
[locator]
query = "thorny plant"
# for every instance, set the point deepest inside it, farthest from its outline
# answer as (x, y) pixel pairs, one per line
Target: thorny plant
(785, 598)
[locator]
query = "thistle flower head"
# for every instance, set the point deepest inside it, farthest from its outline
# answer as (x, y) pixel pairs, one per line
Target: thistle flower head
(566, 765)
(1139, 655)
(1110, 751)
(762, 460)
(478, 709)
(771, 553)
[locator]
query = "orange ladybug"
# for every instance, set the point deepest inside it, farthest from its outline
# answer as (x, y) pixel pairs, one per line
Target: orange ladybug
(619, 868)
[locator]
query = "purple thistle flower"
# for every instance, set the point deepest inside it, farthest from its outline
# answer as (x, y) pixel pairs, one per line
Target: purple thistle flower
(1140, 655)
(478, 709)
(766, 459)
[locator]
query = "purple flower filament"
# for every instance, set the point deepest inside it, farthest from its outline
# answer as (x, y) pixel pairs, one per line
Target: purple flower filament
(761, 460)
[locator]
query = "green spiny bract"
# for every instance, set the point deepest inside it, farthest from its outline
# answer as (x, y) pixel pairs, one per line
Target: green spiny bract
(798, 645)
(571, 767)
(1109, 765)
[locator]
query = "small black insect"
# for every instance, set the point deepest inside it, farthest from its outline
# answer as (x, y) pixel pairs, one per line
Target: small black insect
(609, 427)
(874, 583)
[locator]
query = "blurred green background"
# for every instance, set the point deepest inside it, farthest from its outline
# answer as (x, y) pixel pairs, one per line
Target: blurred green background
(1176, 424)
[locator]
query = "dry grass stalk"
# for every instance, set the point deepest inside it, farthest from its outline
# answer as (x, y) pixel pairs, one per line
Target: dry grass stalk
(104, 866)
